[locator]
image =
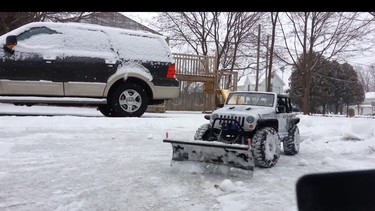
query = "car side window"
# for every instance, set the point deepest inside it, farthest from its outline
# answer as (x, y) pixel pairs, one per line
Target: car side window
(39, 37)
(35, 31)
(88, 42)
(281, 105)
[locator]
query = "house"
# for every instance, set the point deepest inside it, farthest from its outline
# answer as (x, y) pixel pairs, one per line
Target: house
(247, 83)
(368, 105)
(116, 19)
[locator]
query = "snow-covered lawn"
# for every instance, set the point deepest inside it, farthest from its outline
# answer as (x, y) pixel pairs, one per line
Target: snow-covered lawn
(76, 159)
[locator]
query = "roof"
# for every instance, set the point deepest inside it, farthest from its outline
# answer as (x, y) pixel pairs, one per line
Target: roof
(84, 26)
(252, 78)
(370, 95)
(116, 19)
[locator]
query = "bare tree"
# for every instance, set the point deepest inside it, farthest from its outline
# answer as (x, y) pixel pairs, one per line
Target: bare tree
(223, 34)
(367, 77)
(327, 34)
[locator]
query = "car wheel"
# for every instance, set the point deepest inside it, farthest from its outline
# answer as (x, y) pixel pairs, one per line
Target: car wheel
(266, 147)
(129, 100)
(105, 110)
(292, 141)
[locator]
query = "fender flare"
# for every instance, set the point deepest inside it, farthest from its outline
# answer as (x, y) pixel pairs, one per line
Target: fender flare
(295, 120)
(268, 123)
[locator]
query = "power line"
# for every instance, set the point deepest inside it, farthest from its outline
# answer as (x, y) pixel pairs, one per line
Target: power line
(337, 79)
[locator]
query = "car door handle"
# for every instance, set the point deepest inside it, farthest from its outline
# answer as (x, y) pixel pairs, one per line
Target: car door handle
(110, 62)
(48, 59)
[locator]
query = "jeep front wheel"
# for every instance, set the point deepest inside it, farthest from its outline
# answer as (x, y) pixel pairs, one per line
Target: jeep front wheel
(128, 100)
(292, 141)
(203, 132)
(266, 147)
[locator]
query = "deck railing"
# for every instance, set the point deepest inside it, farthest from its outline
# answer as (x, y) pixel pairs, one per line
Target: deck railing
(194, 65)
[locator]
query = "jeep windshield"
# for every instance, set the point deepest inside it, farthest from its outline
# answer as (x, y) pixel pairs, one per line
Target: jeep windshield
(251, 99)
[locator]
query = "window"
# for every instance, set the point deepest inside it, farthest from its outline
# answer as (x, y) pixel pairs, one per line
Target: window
(35, 31)
(85, 41)
(39, 37)
(252, 99)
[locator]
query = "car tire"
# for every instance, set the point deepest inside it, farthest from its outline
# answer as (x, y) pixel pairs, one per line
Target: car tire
(266, 147)
(292, 141)
(105, 110)
(128, 100)
(202, 132)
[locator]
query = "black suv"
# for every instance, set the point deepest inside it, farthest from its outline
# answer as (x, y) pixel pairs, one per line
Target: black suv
(120, 71)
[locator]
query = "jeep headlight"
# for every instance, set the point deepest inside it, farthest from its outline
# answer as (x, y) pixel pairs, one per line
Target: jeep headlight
(214, 116)
(250, 119)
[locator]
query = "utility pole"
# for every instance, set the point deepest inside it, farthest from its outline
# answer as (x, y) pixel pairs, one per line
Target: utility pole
(258, 52)
(266, 72)
(274, 21)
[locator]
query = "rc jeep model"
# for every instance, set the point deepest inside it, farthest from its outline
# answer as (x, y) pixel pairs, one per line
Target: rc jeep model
(246, 132)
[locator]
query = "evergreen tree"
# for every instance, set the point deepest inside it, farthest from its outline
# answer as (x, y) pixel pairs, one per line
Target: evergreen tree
(332, 85)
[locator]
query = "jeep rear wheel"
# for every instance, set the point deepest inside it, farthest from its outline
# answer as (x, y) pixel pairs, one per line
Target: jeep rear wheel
(266, 147)
(292, 141)
(128, 100)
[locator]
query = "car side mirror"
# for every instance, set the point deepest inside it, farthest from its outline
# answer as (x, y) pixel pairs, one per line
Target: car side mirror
(10, 42)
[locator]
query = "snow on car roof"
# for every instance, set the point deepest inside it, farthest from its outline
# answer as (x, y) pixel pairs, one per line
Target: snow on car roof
(129, 44)
(81, 26)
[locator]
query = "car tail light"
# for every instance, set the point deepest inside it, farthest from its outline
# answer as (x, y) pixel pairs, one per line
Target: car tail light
(171, 72)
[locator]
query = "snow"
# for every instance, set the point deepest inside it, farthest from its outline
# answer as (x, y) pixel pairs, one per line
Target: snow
(370, 95)
(74, 158)
(80, 39)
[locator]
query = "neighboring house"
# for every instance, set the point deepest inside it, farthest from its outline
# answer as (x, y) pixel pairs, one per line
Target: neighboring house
(368, 105)
(116, 19)
(247, 83)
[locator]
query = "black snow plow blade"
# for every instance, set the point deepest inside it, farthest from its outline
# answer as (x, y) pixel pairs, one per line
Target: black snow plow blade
(231, 155)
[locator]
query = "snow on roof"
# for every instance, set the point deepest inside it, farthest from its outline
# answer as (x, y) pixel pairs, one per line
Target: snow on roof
(370, 95)
(242, 80)
(95, 40)
(252, 78)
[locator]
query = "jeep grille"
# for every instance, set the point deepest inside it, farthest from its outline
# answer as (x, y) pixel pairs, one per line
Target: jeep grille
(241, 120)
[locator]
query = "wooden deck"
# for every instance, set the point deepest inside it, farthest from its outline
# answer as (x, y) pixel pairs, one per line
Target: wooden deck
(195, 68)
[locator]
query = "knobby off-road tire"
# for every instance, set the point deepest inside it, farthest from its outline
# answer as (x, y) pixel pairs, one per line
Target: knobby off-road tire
(202, 132)
(128, 100)
(292, 141)
(266, 147)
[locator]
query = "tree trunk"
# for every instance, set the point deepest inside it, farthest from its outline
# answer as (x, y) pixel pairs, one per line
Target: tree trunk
(306, 95)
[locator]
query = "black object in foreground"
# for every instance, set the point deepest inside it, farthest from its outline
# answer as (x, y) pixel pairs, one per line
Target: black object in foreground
(350, 190)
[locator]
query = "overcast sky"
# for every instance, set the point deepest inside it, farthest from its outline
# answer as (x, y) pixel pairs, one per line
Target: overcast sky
(359, 60)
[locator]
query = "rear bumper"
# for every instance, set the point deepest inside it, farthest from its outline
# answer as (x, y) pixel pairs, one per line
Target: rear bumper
(166, 92)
